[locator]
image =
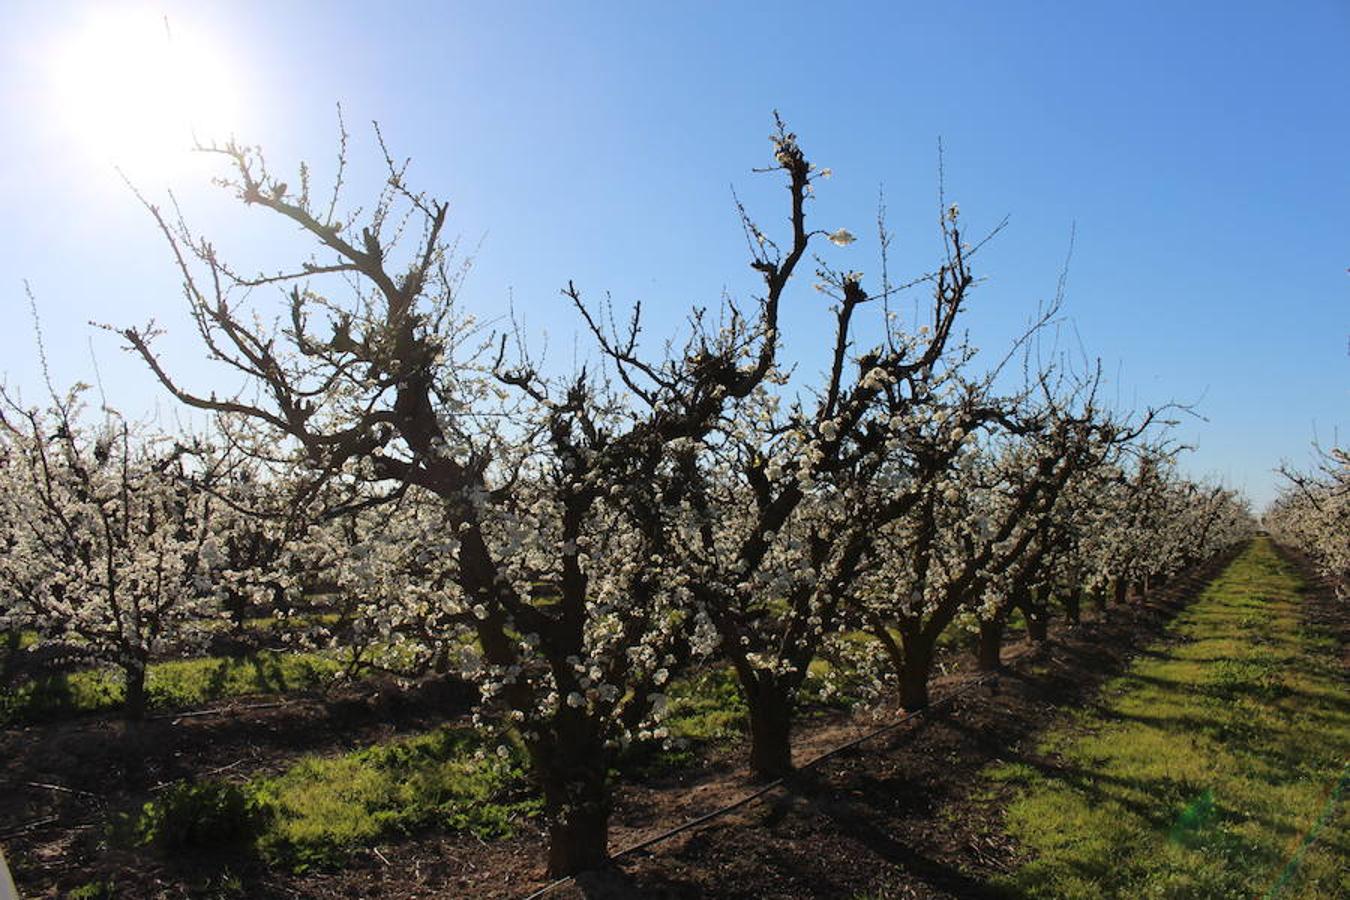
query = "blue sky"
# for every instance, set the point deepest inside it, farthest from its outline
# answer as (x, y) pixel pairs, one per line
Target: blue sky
(1201, 151)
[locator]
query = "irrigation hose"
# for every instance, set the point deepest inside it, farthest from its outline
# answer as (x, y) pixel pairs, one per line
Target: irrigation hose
(776, 783)
(1189, 579)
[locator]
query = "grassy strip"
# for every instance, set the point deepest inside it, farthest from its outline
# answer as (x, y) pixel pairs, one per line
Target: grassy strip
(174, 684)
(323, 808)
(1203, 768)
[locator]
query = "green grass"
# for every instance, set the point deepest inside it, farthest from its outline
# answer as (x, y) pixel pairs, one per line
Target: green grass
(323, 808)
(12, 644)
(12, 641)
(175, 684)
(1205, 769)
(707, 708)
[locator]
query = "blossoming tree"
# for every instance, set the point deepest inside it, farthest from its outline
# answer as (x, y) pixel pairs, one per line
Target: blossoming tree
(555, 501)
(111, 546)
(1312, 515)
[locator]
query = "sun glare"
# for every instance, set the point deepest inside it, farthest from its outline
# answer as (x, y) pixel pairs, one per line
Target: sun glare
(136, 89)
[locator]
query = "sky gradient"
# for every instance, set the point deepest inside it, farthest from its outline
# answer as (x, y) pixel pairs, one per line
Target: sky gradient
(1199, 154)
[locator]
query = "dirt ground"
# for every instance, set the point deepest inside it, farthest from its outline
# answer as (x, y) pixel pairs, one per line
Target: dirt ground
(902, 815)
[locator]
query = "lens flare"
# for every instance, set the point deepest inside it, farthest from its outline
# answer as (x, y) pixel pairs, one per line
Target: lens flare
(134, 89)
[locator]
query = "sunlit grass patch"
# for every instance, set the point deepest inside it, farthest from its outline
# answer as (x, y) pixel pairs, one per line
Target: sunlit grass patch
(1204, 767)
(323, 808)
(12, 641)
(707, 707)
(173, 684)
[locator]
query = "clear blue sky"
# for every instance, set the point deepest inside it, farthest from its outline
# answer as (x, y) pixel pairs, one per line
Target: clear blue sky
(1201, 149)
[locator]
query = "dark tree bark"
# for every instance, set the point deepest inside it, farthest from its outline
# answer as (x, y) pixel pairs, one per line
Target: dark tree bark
(915, 671)
(1038, 625)
(1102, 598)
(133, 706)
(914, 687)
(989, 644)
(1037, 616)
(1073, 605)
(578, 842)
(573, 775)
(771, 708)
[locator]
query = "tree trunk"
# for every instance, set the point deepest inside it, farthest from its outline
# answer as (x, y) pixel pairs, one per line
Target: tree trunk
(989, 645)
(134, 702)
(770, 728)
(572, 767)
(578, 841)
(914, 673)
(1033, 610)
(1038, 625)
(914, 687)
(1073, 606)
(1122, 588)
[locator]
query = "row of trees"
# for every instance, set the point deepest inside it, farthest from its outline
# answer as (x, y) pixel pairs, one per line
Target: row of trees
(572, 542)
(1312, 514)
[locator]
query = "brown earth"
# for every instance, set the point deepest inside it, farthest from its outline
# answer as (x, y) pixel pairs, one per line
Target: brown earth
(902, 815)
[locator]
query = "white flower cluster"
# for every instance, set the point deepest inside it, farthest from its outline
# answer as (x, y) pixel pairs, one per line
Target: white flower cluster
(111, 546)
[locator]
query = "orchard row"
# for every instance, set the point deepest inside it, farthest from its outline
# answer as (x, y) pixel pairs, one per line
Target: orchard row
(573, 542)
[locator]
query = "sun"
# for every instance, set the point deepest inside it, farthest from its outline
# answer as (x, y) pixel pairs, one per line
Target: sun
(138, 90)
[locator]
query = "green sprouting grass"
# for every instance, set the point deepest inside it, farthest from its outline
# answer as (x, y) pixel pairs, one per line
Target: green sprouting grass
(707, 707)
(323, 808)
(1211, 769)
(174, 684)
(12, 641)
